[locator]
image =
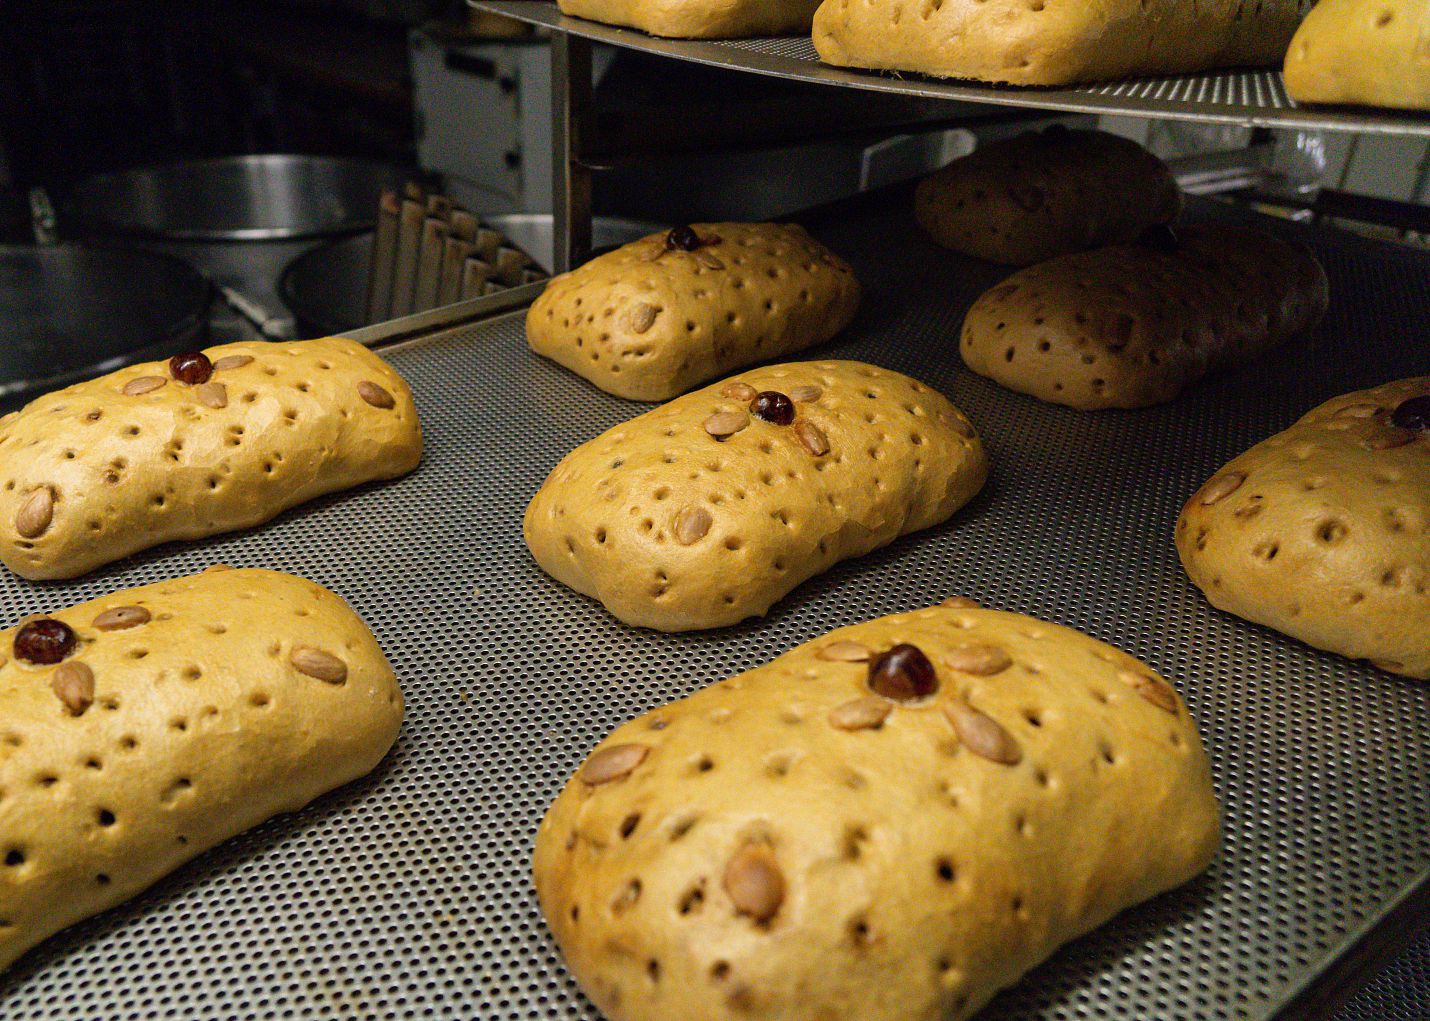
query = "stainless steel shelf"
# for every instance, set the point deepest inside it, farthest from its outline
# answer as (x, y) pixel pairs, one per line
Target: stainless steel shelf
(1251, 98)
(407, 894)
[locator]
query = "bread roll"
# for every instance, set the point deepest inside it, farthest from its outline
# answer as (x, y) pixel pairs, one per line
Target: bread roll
(1368, 52)
(701, 513)
(182, 714)
(1131, 325)
(1032, 42)
(699, 19)
(1323, 531)
(848, 832)
(1043, 194)
(653, 319)
(105, 468)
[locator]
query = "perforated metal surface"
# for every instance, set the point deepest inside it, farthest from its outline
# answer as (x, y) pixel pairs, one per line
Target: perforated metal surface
(1400, 993)
(406, 895)
(1232, 97)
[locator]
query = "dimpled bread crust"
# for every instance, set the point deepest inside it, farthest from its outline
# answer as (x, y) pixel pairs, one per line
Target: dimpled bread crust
(699, 19)
(1046, 193)
(1323, 532)
(1131, 325)
(675, 529)
(648, 323)
(105, 468)
(789, 846)
(206, 718)
(1374, 52)
(1034, 43)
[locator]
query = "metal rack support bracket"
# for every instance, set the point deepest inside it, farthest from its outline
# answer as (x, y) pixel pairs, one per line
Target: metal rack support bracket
(570, 124)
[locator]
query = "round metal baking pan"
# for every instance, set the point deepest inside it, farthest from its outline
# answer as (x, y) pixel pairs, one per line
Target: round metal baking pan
(75, 311)
(238, 198)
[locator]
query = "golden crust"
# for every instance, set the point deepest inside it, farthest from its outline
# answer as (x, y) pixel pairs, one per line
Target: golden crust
(201, 727)
(759, 862)
(126, 471)
(1043, 194)
(1127, 326)
(1323, 532)
(699, 19)
(676, 530)
(1022, 43)
(1370, 52)
(647, 324)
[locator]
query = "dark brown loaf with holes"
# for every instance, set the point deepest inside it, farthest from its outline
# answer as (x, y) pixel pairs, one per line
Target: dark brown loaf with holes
(1046, 193)
(889, 823)
(1323, 531)
(1131, 325)
(108, 467)
(1048, 42)
(180, 715)
(710, 508)
(668, 312)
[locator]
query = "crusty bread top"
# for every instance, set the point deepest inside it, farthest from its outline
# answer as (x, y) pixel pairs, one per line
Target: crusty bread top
(648, 322)
(1126, 326)
(1374, 52)
(136, 458)
(1036, 43)
(1323, 531)
(1042, 194)
(699, 19)
(227, 697)
(676, 528)
(788, 845)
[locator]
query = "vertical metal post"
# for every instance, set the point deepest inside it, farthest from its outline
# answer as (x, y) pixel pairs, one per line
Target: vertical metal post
(570, 122)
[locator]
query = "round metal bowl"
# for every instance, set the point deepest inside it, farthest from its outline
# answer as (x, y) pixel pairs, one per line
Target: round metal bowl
(238, 198)
(69, 312)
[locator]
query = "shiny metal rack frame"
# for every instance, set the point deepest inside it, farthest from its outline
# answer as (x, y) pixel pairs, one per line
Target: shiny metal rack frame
(406, 895)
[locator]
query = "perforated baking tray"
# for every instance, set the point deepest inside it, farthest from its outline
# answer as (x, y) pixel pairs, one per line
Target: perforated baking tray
(407, 894)
(1248, 97)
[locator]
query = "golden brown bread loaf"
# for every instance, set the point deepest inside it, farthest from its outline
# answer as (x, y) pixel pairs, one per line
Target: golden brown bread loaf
(699, 19)
(1046, 193)
(651, 319)
(105, 468)
(1323, 531)
(848, 833)
(1038, 43)
(185, 713)
(1369, 52)
(699, 514)
(1131, 325)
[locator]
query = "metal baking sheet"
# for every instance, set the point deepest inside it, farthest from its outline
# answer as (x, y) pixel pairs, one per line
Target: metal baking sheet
(407, 894)
(1254, 98)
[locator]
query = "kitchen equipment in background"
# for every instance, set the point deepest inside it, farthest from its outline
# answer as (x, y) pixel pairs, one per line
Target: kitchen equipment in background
(241, 220)
(238, 198)
(428, 252)
(325, 288)
(68, 312)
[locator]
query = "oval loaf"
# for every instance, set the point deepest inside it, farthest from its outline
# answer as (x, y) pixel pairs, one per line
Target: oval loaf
(1046, 193)
(1035, 43)
(198, 726)
(699, 19)
(648, 322)
(137, 458)
(1126, 326)
(770, 848)
(1323, 531)
(1371, 52)
(699, 514)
